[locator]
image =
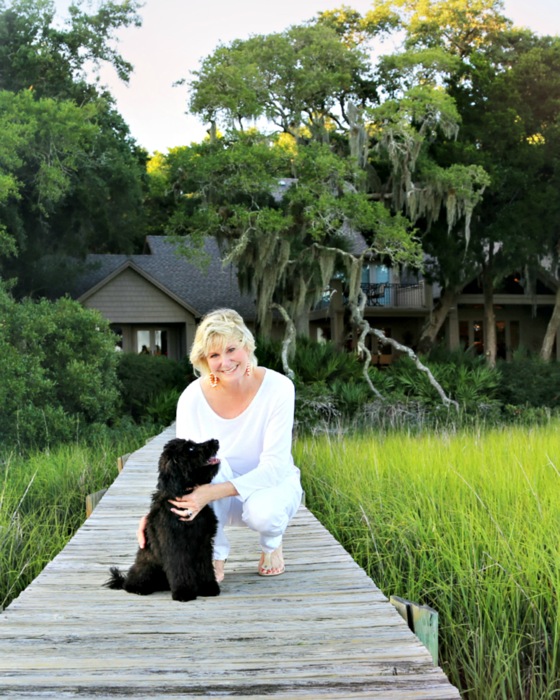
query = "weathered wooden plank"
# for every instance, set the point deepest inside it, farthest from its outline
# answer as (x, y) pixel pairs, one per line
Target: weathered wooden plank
(323, 629)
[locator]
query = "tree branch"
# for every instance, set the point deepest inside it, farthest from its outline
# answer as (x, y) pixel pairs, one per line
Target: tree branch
(382, 338)
(288, 339)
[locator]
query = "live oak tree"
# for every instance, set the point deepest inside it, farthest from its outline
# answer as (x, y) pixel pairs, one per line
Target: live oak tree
(505, 87)
(316, 83)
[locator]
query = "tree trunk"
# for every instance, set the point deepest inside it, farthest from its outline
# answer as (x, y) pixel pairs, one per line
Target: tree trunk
(551, 330)
(436, 320)
(490, 339)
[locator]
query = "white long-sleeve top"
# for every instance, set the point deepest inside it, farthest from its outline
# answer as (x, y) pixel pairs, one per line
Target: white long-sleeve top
(257, 444)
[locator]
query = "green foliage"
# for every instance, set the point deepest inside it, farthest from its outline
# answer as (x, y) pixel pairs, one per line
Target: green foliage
(36, 53)
(268, 352)
(315, 407)
(305, 70)
(528, 381)
(324, 362)
(149, 384)
(471, 383)
(162, 409)
(58, 371)
(71, 178)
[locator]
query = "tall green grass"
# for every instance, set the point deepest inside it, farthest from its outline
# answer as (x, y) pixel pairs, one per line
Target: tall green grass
(42, 502)
(468, 523)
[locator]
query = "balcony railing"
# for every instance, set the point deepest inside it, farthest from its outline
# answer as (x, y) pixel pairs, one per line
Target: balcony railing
(404, 296)
(409, 296)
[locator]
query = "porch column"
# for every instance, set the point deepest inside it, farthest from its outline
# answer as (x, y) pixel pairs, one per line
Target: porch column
(453, 328)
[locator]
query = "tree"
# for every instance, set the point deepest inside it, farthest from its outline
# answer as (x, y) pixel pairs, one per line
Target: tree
(499, 83)
(299, 80)
(276, 208)
(72, 186)
(54, 61)
(344, 111)
(71, 177)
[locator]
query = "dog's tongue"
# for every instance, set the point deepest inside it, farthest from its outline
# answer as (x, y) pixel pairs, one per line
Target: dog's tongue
(213, 460)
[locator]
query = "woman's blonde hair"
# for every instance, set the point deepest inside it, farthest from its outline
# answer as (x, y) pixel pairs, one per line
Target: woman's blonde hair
(215, 331)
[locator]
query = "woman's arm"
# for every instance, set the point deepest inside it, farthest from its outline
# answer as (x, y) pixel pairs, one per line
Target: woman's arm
(275, 460)
(187, 507)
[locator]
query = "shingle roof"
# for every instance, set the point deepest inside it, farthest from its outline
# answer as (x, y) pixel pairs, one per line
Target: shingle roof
(200, 289)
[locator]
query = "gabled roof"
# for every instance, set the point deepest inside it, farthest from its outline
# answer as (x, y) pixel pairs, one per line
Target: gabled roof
(198, 290)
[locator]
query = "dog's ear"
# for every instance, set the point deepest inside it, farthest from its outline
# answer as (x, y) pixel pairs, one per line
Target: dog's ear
(174, 464)
(170, 453)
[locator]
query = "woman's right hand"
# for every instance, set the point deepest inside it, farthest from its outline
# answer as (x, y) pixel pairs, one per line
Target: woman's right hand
(141, 532)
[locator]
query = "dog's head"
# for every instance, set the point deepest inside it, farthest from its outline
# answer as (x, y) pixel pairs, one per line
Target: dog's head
(185, 464)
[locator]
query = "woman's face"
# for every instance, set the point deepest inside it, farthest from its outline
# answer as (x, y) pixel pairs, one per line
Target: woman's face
(228, 362)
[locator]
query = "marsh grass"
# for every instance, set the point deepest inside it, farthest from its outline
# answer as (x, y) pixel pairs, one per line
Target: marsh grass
(42, 503)
(468, 523)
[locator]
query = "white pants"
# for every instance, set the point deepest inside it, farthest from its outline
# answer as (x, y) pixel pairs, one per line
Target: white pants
(267, 511)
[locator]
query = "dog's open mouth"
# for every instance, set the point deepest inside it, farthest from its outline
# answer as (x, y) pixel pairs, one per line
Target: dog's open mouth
(213, 460)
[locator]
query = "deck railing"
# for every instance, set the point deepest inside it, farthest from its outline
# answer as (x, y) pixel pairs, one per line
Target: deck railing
(411, 296)
(385, 294)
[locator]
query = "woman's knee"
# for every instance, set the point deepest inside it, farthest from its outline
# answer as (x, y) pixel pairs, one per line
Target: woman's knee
(270, 510)
(263, 516)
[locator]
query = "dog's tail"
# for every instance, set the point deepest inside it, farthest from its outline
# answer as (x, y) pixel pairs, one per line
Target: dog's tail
(117, 579)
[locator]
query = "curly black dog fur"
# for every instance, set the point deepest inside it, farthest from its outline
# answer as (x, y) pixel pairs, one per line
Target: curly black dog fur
(178, 554)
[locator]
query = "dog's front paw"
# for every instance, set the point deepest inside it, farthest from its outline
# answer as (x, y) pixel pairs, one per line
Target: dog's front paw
(209, 588)
(183, 594)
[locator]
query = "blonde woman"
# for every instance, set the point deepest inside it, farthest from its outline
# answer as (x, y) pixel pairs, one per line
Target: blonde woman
(250, 410)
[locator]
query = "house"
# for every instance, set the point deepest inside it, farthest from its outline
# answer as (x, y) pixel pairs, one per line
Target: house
(399, 302)
(156, 300)
(522, 316)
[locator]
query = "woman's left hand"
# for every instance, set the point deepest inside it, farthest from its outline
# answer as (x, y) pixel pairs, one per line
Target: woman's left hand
(187, 507)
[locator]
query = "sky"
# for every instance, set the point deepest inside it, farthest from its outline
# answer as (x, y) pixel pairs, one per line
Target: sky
(177, 34)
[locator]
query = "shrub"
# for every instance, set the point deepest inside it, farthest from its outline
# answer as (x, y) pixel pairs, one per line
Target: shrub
(58, 370)
(324, 362)
(162, 408)
(268, 353)
(145, 379)
(471, 383)
(528, 381)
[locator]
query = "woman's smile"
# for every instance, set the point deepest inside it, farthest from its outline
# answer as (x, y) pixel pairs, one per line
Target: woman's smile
(227, 361)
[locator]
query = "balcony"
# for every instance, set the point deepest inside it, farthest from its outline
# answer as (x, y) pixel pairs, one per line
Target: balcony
(382, 295)
(404, 296)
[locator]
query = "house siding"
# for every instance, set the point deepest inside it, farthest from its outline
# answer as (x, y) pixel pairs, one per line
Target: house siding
(129, 298)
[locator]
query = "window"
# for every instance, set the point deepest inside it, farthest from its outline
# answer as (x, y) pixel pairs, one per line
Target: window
(152, 342)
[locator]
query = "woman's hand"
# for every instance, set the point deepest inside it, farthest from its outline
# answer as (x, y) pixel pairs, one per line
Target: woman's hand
(187, 507)
(141, 532)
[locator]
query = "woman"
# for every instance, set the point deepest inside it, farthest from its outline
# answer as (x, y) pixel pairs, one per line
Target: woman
(250, 410)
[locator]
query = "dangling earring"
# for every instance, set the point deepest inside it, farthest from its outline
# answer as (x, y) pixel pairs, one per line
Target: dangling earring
(214, 381)
(248, 369)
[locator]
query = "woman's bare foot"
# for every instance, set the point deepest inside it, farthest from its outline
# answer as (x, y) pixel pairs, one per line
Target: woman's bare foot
(219, 570)
(272, 563)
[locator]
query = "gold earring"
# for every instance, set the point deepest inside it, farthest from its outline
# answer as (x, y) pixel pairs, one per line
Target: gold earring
(248, 369)
(214, 381)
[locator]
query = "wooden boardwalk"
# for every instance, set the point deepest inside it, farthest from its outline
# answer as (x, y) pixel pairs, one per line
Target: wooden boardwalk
(322, 630)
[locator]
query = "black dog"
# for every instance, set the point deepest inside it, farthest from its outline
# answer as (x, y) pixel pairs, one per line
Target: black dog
(178, 554)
